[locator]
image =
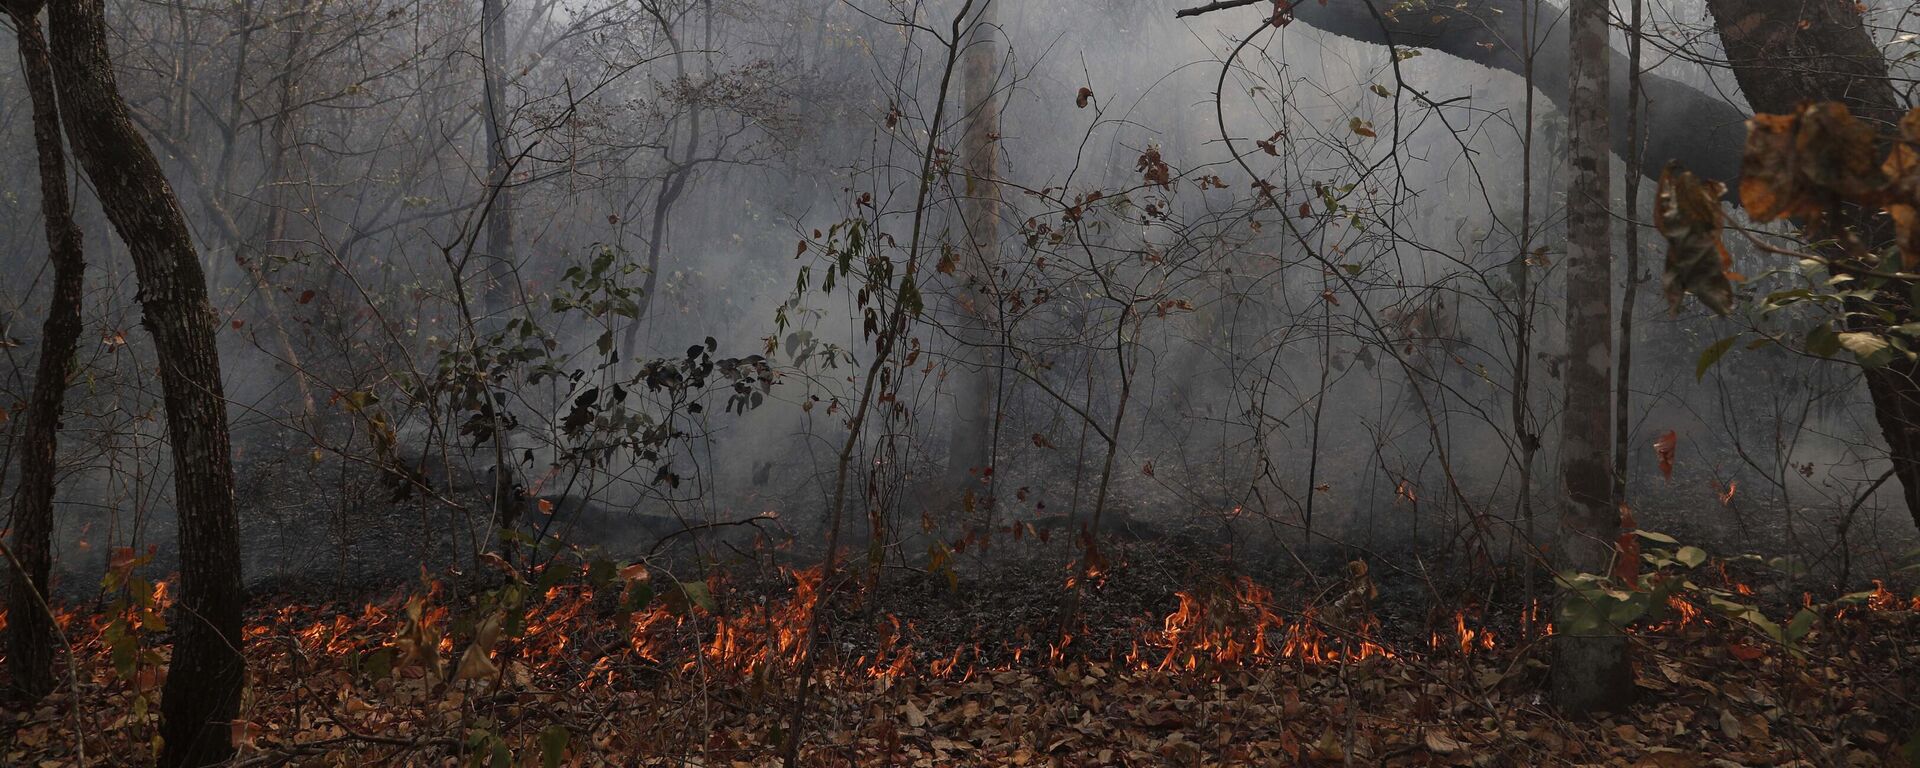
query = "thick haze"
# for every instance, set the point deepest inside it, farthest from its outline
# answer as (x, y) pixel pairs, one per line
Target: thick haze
(331, 157)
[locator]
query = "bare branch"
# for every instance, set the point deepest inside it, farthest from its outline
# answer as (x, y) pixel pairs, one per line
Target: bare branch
(1218, 5)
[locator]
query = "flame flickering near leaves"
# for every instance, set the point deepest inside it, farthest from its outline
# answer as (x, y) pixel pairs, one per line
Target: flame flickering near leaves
(1238, 628)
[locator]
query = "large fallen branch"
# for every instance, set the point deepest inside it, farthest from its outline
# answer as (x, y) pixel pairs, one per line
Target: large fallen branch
(1683, 123)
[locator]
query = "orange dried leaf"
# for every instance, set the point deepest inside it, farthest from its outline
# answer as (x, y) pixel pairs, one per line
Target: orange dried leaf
(1687, 213)
(1664, 448)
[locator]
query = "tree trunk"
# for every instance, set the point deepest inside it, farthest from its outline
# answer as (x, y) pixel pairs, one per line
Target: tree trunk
(502, 275)
(31, 641)
(1696, 127)
(1591, 672)
(973, 386)
(499, 214)
(202, 693)
(1780, 64)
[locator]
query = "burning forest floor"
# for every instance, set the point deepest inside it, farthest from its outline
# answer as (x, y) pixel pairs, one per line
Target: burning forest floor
(1164, 663)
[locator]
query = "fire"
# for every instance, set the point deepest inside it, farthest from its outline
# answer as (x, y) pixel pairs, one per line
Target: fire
(1467, 639)
(1684, 614)
(1237, 627)
(1881, 599)
(1532, 623)
(770, 635)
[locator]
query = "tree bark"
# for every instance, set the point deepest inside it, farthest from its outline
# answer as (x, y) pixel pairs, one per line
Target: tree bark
(31, 641)
(973, 388)
(1781, 63)
(500, 248)
(502, 275)
(1591, 672)
(202, 693)
(1696, 127)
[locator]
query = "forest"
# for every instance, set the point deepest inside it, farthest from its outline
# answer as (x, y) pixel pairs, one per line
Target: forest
(732, 383)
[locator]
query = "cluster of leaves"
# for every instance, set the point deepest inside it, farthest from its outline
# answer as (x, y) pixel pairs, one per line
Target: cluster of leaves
(1666, 586)
(606, 411)
(136, 611)
(852, 252)
(1834, 176)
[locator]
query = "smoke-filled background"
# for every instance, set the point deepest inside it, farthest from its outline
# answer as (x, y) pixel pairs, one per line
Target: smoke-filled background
(633, 256)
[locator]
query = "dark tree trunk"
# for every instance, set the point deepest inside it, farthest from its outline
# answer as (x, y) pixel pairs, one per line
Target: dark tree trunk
(1696, 127)
(1783, 54)
(202, 693)
(1780, 63)
(31, 641)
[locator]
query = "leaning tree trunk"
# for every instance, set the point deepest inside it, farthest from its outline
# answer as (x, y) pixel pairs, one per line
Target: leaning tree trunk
(31, 639)
(1787, 54)
(1591, 672)
(1781, 53)
(202, 693)
(1697, 127)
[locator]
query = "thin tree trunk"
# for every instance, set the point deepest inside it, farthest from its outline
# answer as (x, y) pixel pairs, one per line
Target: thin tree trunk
(1591, 671)
(501, 261)
(202, 693)
(967, 442)
(502, 274)
(896, 326)
(1623, 390)
(1522, 272)
(273, 224)
(30, 641)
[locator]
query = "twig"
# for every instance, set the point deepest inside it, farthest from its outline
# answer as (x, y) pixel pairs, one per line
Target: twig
(1831, 264)
(754, 521)
(1219, 5)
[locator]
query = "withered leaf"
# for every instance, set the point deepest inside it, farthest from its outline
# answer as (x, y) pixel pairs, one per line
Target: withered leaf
(1687, 213)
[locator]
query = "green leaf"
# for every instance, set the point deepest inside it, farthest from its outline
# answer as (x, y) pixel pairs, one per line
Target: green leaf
(1911, 750)
(1802, 624)
(600, 573)
(553, 745)
(552, 575)
(380, 664)
(1822, 341)
(1691, 557)
(1712, 355)
(689, 594)
(1624, 612)
(1654, 536)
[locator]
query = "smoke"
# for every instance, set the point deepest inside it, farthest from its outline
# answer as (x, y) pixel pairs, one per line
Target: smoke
(1332, 366)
